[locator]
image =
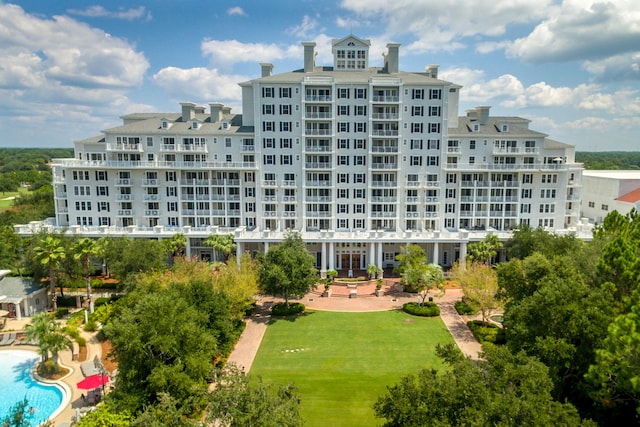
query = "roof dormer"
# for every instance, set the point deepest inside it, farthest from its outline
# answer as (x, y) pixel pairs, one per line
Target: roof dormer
(195, 124)
(165, 123)
(350, 54)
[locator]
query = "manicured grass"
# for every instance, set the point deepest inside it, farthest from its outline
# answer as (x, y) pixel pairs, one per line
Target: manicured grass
(342, 362)
(6, 204)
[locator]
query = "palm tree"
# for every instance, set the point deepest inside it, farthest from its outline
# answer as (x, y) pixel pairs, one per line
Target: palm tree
(101, 250)
(221, 242)
(50, 253)
(49, 336)
(176, 245)
(83, 249)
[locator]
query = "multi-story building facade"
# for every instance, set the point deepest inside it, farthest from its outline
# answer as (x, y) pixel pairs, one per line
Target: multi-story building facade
(359, 160)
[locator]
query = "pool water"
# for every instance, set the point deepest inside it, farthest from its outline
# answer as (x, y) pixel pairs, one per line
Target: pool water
(16, 383)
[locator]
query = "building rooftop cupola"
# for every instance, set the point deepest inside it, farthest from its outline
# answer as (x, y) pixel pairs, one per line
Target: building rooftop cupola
(309, 56)
(188, 111)
(350, 54)
(392, 58)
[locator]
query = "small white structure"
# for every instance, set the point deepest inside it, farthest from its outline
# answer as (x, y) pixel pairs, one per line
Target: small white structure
(605, 191)
(20, 296)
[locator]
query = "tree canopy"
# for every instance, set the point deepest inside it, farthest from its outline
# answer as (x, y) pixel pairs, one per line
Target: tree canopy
(288, 269)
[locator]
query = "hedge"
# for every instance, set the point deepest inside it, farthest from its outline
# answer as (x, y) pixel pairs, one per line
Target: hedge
(463, 308)
(281, 309)
(429, 309)
(487, 332)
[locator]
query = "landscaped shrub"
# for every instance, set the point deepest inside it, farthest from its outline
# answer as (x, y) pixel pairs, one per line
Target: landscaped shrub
(463, 308)
(62, 311)
(67, 301)
(91, 326)
(487, 332)
(429, 309)
(280, 309)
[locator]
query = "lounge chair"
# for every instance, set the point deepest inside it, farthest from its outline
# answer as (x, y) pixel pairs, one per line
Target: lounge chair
(8, 339)
(5, 339)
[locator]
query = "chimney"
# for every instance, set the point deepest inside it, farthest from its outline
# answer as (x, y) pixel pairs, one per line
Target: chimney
(267, 69)
(226, 111)
(432, 70)
(216, 112)
(199, 109)
(188, 111)
(483, 114)
(391, 57)
(309, 56)
(472, 114)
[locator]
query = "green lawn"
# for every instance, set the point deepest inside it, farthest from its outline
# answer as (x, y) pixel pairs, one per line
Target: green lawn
(6, 204)
(341, 362)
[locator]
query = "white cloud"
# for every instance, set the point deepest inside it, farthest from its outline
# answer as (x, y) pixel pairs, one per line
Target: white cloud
(620, 67)
(201, 84)
(100, 12)
(238, 11)
(226, 53)
(438, 25)
(582, 29)
(305, 28)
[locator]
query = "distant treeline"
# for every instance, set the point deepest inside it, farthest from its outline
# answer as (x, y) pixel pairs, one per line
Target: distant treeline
(609, 160)
(28, 159)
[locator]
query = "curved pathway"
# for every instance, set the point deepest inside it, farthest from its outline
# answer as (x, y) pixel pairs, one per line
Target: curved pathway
(249, 342)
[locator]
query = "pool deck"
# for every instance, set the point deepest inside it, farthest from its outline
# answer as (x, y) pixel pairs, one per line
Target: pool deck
(72, 401)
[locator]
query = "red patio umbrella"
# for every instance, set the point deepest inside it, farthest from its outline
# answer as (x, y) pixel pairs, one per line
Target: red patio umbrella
(94, 381)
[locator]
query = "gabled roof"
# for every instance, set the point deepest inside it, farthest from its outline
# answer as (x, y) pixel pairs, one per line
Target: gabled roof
(631, 197)
(17, 287)
(335, 42)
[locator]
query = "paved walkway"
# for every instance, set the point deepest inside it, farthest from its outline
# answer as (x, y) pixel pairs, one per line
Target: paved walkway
(366, 300)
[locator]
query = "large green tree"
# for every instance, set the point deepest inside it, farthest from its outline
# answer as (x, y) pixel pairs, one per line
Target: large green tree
(288, 269)
(485, 250)
(479, 283)
(50, 253)
(224, 243)
(500, 389)
(83, 250)
(237, 402)
(49, 336)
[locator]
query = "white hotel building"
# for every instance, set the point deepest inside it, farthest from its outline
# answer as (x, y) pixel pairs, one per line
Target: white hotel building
(359, 160)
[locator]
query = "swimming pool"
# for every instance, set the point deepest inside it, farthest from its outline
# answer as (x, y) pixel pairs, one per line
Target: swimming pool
(16, 383)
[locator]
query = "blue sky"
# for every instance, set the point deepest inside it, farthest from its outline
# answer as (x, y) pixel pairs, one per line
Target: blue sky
(69, 69)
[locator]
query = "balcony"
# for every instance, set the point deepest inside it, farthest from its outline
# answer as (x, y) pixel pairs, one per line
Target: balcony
(151, 212)
(384, 132)
(384, 166)
(383, 214)
(123, 182)
(384, 184)
(125, 147)
(318, 115)
(151, 197)
(384, 199)
(384, 116)
(125, 212)
(124, 197)
(317, 132)
(149, 182)
(384, 149)
(319, 165)
(379, 98)
(318, 98)
(319, 183)
(318, 148)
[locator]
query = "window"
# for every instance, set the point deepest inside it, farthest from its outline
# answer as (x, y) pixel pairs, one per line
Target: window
(343, 143)
(434, 111)
(269, 142)
(434, 127)
(550, 178)
(286, 143)
(80, 175)
(417, 110)
(527, 178)
(285, 109)
(526, 193)
(416, 160)
(267, 109)
(472, 144)
(101, 175)
(548, 193)
(285, 126)
(268, 126)
(360, 110)
(343, 208)
(361, 93)
(268, 92)
(433, 161)
(359, 209)
(433, 144)
(451, 193)
(103, 206)
(359, 178)
(286, 159)
(285, 92)
(416, 144)
(360, 143)
(269, 159)
(102, 191)
(450, 208)
(525, 208)
(172, 206)
(417, 94)
(343, 93)
(343, 127)
(452, 178)
(416, 127)
(343, 160)
(171, 191)
(604, 207)
(472, 160)
(249, 192)
(80, 190)
(359, 193)
(343, 223)
(361, 127)
(359, 160)
(435, 93)
(343, 178)
(227, 142)
(343, 110)
(343, 193)
(170, 176)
